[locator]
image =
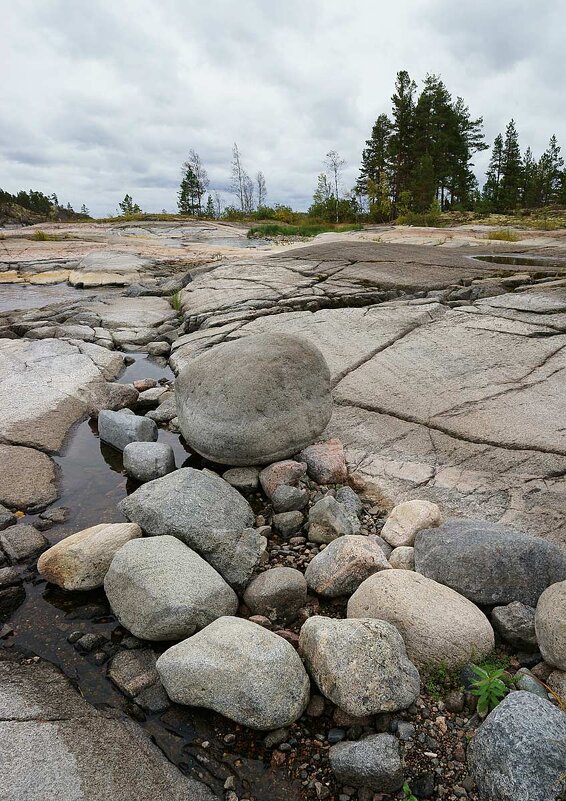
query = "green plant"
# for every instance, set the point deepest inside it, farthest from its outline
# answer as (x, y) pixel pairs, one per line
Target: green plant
(278, 229)
(503, 235)
(175, 301)
(489, 688)
(408, 795)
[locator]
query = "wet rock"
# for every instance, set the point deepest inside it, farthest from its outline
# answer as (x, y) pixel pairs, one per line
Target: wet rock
(524, 680)
(10, 599)
(489, 563)
(285, 472)
(289, 499)
(165, 412)
(118, 429)
(81, 561)
(120, 396)
(342, 566)
(21, 542)
(275, 386)
(550, 625)
(326, 462)
(288, 523)
(244, 479)
(206, 513)
(7, 518)
(240, 670)
(133, 671)
(407, 518)
(402, 558)
(89, 642)
(518, 752)
(27, 479)
(373, 762)
(277, 593)
(516, 624)
(328, 520)
(9, 577)
(146, 461)
(55, 515)
(159, 589)
(158, 348)
(438, 625)
(360, 665)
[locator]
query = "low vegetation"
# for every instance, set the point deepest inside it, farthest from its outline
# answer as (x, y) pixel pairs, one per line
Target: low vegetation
(175, 301)
(489, 687)
(503, 235)
(270, 230)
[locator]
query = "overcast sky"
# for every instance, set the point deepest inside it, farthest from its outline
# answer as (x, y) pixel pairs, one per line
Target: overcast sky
(105, 97)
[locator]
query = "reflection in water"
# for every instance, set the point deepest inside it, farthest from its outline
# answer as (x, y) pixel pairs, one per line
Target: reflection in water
(521, 259)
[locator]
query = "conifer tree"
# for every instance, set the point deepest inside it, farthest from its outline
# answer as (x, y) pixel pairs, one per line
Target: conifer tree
(550, 173)
(209, 211)
(492, 186)
(511, 170)
(401, 143)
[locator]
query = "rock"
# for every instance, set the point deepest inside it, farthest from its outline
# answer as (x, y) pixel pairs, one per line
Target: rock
(288, 523)
(407, 518)
(27, 480)
(240, 670)
(342, 566)
(7, 518)
(524, 680)
(557, 683)
(385, 547)
(120, 397)
(159, 589)
(254, 400)
(9, 576)
(154, 699)
(118, 429)
(438, 625)
(81, 561)
(402, 558)
(550, 625)
(146, 461)
(277, 593)
(289, 499)
(488, 563)
(350, 501)
(286, 472)
(158, 348)
(244, 479)
(315, 708)
(516, 624)
(518, 752)
(149, 398)
(20, 542)
(165, 412)
(206, 513)
(133, 671)
(328, 520)
(373, 762)
(360, 665)
(326, 462)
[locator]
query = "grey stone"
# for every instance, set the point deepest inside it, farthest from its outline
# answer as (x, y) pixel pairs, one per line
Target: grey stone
(28, 480)
(7, 518)
(9, 576)
(206, 513)
(524, 680)
(277, 593)
(146, 461)
(133, 671)
(489, 563)
(373, 762)
(360, 665)
(550, 625)
(159, 589)
(239, 669)
(286, 472)
(342, 566)
(158, 348)
(21, 542)
(118, 429)
(518, 752)
(516, 624)
(288, 523)
(407, 518)
(328, 520)
(385, 547)
(349, 500)
(154, 699)
(244, 479)
(120, 397)
(289, 499)
(165, 412)
(402, 558)
(255, 400)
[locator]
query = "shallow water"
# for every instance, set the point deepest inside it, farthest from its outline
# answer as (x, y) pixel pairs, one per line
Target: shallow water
(522, 259)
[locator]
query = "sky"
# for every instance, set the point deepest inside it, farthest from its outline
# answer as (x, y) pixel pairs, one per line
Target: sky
(106, 97)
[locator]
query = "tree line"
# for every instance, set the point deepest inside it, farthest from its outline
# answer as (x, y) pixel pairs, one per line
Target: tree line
(37, 202)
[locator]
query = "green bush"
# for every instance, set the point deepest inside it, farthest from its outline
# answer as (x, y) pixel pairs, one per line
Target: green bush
(274, 229)
(503, 235)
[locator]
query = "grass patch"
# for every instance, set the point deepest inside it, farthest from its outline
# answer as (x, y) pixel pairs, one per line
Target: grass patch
(276, 229)
(440, 680)
(175, 301)
(41, 236)
(503, 235)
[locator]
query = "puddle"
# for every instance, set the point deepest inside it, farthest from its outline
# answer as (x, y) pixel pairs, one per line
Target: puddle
(145, 366)
(522, 260)
(34, 296)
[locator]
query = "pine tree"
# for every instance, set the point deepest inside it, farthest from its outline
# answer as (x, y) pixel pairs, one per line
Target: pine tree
(550, 171)
(511, 169)
(530, 189)
(423, 184)
(188, 200)
(209, 211)
(375, 156)
(127, 206)
(492, 186)
(401, 143)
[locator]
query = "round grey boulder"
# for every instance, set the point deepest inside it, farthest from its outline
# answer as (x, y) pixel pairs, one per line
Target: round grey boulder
(120, 428)
(161, 590)
(239, 669)
(489, 563)
(519, 751)
(360, 665)
(342, 566)
(277, 593)
(254, 400)
(146, 461)
(550, 625)
(373, 762)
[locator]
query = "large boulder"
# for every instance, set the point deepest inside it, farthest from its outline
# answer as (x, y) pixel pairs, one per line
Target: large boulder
(206, 513)
(161, 590)
(373, 762)
(489, 563)
(360, 665)
(438, 625)
(240, 670)
(550, 625)
(255, 400)
(277, 593)
(518, 753)
(342, 566)
(81, 561)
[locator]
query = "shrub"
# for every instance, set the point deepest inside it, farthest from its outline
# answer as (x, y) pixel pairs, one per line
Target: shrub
(274, 229)
(503, 235)
(489, 688)
(175, 301)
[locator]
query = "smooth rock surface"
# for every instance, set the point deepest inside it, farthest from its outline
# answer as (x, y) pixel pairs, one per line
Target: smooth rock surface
(550, 625)
(342, 566)
(203, 511)
(119, 429)
(159, 589)
(373, 762)
(489, 563)
(81, 561)
(360, 665)
(406, 519)
(146, 461)
(277, 593)
(255, 400)
(402, 558)
(244, 479)
(28, 480)
(438, 626)
(239, 669)
(518, 752)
